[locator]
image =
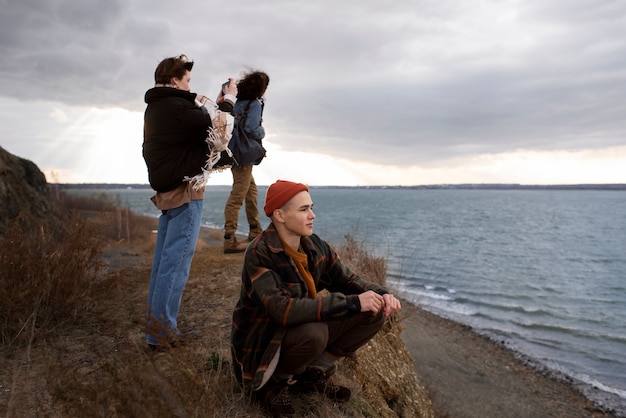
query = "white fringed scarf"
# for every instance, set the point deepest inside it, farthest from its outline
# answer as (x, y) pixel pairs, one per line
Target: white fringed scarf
(218, 136)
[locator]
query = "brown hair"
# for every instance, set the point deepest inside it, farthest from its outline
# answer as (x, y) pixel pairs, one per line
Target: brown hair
(172, 67)
(252, 85)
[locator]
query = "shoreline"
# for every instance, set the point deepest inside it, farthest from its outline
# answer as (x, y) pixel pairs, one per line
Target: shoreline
(468, 374)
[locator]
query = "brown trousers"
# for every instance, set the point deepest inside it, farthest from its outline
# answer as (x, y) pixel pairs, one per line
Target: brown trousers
(304, 343)
(244, 190)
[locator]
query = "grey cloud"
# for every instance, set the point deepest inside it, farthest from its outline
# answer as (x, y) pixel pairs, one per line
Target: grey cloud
(400, 82)
(579, 11)
(563, 90)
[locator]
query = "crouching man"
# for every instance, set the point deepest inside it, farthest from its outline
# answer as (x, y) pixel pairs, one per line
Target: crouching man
(285, 335)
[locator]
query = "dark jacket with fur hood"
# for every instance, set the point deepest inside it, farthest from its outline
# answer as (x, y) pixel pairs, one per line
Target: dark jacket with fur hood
(175, 131)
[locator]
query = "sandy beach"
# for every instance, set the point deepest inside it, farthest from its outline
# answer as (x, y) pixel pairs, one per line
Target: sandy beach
(469, 375)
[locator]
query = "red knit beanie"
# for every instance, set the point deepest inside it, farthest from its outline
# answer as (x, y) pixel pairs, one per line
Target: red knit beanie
(279, 193)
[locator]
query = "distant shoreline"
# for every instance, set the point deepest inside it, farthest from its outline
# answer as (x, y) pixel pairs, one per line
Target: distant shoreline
(468, 186)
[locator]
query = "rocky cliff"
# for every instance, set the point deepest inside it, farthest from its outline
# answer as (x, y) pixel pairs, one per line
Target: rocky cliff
(23, 188)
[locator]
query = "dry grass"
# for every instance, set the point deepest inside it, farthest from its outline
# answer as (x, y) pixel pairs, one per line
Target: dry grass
(47, 278)
(73, 303)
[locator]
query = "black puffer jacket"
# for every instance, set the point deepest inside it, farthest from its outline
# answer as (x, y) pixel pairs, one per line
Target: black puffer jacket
(174, 135)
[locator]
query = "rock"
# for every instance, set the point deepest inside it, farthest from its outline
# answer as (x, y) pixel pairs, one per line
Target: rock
(23, 189)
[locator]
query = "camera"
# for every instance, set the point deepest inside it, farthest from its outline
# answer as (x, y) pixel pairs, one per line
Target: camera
(224, 86)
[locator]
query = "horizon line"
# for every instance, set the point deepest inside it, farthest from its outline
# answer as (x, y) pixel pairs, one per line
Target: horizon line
(613, 186)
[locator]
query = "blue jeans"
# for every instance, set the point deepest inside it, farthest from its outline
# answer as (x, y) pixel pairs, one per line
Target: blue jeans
(175, 244)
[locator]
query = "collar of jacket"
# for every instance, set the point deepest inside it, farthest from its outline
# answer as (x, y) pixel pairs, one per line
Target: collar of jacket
(273, 241)
(156, 93)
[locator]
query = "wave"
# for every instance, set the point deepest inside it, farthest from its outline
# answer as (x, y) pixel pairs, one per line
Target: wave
(591, 335)
(515, 308)
(430, 295)
(439, 289)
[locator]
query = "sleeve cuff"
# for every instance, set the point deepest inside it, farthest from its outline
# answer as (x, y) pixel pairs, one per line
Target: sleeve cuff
(354, 304)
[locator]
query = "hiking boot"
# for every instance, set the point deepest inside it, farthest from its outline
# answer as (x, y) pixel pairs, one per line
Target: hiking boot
(255, 231)
(184, 336)
(275, 400)
(315, 379)
(232, 246)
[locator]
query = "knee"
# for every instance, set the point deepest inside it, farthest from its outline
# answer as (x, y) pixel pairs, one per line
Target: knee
(378, 320)
(373, 321)
(313, 336)
(316, 336)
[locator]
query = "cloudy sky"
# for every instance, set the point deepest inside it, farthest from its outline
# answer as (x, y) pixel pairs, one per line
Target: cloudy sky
(361, 93)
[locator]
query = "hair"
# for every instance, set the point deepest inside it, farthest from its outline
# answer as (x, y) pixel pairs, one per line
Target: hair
(172, 67)
(252, 85)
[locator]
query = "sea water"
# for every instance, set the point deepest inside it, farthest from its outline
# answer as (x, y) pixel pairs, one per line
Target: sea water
(543, 271)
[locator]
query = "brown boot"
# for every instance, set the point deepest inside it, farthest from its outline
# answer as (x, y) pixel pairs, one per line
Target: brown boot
(232, 246)
(275, 400)
(255, 231)
(315, 379)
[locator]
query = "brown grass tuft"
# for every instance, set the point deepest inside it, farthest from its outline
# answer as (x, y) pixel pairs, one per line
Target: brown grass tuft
(47, 277)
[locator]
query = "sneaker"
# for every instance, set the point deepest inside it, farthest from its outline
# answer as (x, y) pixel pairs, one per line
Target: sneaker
(316, 380)
(231, 245)
(275, 400)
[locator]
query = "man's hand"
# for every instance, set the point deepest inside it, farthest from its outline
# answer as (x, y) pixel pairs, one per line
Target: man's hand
(392, 304)
(371, 301)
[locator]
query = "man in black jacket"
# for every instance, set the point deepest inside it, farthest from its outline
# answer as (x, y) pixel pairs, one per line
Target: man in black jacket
(175, 149)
